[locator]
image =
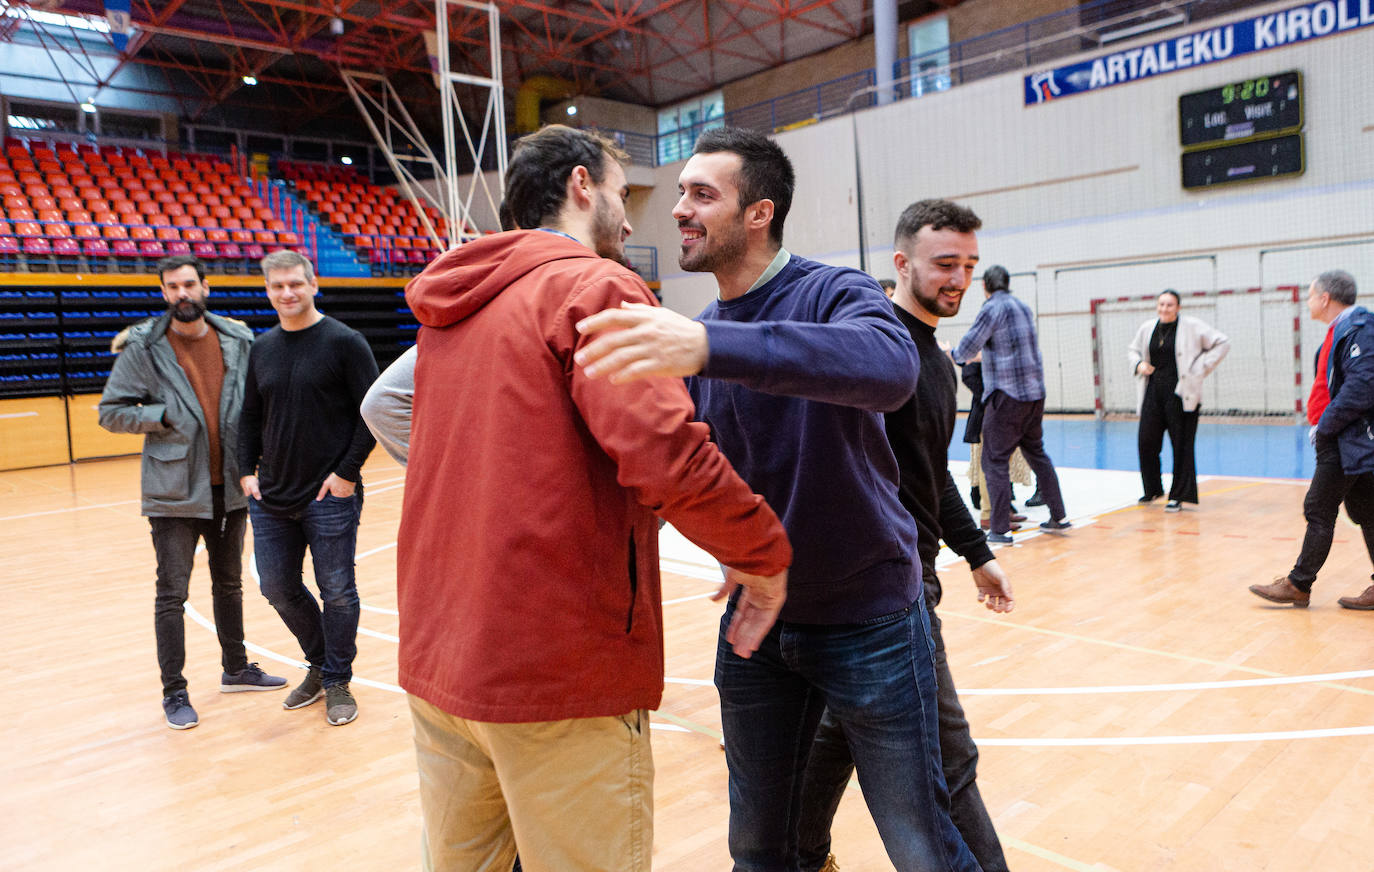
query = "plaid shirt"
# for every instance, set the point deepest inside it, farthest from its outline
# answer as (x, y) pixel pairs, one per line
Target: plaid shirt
(1011, 363)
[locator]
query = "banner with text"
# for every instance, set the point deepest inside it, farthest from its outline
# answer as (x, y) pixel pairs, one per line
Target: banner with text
(1299, 24)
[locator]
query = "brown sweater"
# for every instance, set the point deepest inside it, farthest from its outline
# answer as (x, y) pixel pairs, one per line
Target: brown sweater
(203, 363)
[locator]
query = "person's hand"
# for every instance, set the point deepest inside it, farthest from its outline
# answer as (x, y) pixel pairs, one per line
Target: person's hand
(643, 341)
(755, 611)
(249, 483)
(339, 487)
(1144, 367)
(994, 588)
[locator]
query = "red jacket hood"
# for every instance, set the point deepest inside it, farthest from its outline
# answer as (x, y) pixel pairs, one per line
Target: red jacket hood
(466, 278)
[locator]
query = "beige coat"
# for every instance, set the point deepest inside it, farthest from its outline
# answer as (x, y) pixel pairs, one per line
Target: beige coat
(1198, 348)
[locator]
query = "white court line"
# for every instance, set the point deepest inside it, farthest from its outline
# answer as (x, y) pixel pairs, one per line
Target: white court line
(695, 682)
(364, 631)
(377, 550)
(683, 599)
(1190, 685)
(70, 509)
(1213, 738)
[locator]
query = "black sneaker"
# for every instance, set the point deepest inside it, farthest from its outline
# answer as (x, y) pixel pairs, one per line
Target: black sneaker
(999, 538)
(249, 678)
(1036, 499)
(177, 708)
(1056, 526)
(1148, 498)
(977, 497)
(340, 707)
(1173, 506)
(306, 692)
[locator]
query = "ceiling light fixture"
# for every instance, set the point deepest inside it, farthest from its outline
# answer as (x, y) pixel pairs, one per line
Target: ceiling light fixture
(572, 110)
(250, 80)
(88, 107)
(346, 161)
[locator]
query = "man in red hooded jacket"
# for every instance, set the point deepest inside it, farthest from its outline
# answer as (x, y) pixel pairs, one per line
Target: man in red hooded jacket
(530, 606)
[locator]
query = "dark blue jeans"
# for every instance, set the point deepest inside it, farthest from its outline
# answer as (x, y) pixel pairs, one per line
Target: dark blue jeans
(878, 680)
(174, 543)
(328, 637)
(831, 764)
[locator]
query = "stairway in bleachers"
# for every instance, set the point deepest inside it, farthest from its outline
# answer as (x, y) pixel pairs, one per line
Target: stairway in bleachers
(333, 257)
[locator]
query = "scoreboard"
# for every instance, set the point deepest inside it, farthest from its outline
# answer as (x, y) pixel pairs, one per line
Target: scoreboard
(1270, 158)
(1242, 131)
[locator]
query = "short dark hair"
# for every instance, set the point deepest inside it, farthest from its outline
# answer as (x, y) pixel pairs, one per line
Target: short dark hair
(888, 284)
(996, 278)
(936, 214)
(1173, 293)
(177, 261)
(765, 172)
(1339, 285)
(537, 177)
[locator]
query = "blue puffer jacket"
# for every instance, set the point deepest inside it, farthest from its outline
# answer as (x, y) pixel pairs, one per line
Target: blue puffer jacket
(1350, 378)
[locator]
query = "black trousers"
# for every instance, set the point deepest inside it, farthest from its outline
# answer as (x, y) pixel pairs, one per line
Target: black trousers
(1330, 485)
(829, 767)
(1163, 411)
(1009, 424)
(174, 542)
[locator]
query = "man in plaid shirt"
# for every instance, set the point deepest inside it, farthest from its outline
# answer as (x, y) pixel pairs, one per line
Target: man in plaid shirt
(1014, 394)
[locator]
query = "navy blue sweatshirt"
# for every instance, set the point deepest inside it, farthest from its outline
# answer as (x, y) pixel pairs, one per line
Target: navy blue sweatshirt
(799, 375)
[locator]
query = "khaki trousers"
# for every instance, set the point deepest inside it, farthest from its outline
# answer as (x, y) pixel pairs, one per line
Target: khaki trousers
(575, 795)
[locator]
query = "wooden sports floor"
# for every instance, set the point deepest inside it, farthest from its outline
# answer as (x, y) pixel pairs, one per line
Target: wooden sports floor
(1138, 711)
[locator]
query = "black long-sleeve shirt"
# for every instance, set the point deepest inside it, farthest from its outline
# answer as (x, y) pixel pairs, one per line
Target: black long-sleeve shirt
(919, 433)
(300, 418)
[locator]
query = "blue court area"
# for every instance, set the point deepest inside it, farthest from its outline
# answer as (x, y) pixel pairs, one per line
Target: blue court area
(1222, 448)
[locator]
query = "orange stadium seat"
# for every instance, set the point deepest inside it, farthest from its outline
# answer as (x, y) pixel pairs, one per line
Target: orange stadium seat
(116, 231)
(54, 229)
(192, 234)
(86, 231)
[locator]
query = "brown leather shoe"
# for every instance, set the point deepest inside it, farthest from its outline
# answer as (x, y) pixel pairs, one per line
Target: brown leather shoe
(1282, 591)
(987, 525)
(1364, 602)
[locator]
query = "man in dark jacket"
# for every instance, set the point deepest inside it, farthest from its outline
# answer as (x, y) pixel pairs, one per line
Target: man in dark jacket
(179, 381)
(1341, 409)
(936, 252)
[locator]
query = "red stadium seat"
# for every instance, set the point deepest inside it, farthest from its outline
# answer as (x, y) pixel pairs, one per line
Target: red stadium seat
(124, 248)
(205, 251)
(95, 247)
(152, 248)
(37, 245)
(178, 247)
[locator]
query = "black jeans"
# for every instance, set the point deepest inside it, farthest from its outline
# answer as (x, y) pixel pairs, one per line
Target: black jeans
(830, 766)
(1330, 485)
(1162, 411)
(174, 542)
(1009, 424)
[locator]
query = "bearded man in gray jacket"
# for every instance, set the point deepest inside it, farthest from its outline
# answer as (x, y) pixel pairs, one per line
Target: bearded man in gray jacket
(179, 381)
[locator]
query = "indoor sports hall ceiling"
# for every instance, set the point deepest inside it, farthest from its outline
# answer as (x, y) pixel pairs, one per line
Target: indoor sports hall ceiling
(650, 52)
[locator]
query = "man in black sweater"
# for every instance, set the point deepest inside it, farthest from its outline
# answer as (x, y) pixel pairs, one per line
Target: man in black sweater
(936, 252)
(301, 450)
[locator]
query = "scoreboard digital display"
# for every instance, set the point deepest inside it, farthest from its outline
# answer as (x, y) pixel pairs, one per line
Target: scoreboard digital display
(1274, 157)
(1240, 110)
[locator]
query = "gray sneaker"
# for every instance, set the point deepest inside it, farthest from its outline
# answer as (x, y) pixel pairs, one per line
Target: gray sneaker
(177, 708)
(249, 678)
(306, 692)
(340, 707)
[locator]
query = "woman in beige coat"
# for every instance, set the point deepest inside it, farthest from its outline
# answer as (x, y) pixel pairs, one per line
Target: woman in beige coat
(1170, 356)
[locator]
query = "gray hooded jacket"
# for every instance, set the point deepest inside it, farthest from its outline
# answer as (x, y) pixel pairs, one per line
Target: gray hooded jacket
(147, 387)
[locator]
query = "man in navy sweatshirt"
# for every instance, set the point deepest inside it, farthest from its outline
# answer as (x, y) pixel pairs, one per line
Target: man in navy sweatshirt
(793, 367)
